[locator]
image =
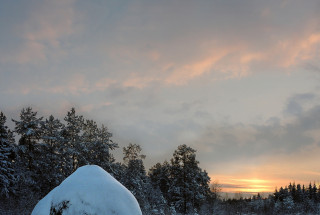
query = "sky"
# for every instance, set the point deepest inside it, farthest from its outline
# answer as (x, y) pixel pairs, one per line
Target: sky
(236, 80)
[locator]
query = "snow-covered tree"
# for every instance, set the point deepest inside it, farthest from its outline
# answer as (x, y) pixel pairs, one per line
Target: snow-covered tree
(97, 144)
(136, 180)
(72, 139)
(50, 159)
(160, 175)
(27, 153)
(52, 132)
(135, 174)
(103, 147)
(189, 185)
(132, 152)
(6, 149)
(87, 143)
(299, 195)
(29, 129)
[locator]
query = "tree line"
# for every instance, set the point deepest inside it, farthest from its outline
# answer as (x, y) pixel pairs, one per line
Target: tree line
(291, 199)
(41, 152)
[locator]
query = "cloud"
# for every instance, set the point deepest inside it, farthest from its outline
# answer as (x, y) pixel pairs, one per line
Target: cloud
(280, 150)
(188, 72)
(312, 67)
(294, 131)
(41, 33)
(140, 45)
(165, 74)
(138, 82)
(233, 186)
(76, 84)
(212, 51)
(297, 51)
(295, 103)
(261, 140)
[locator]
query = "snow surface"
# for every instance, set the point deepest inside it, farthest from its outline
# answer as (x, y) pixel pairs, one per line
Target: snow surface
(89, 190)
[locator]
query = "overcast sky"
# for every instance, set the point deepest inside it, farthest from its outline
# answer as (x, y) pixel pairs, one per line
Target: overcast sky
(237, 80)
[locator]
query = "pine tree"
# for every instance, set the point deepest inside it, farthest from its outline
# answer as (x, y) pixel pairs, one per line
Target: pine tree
(29, 129)
(27, 152)
(135, 170)
(6, 149)
(160, 175)
(314, 193)
(72, 138)
(50, 159)
(311, 192)
(284, 193)
(88, 143)
(102, 147)
(299, 194)
(136, 179)
(97, 143)
(189, 185)
(131, 153)
(293, 191)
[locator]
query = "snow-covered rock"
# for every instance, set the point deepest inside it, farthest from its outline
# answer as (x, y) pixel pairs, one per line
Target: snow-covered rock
(89, 191)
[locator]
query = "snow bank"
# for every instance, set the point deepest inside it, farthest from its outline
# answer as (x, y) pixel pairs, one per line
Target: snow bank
(89, 190)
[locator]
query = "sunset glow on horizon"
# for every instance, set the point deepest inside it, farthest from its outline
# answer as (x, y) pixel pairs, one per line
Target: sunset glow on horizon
(253, 185)
(265, 185)
(247, 186)
(238, 81)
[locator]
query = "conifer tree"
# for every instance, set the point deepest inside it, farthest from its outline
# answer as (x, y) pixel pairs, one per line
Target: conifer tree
(135, 170)
(189, 185)
(97, 143)
(136, 179)
(88, 143)
(29, 129)
(50, 159)
(6, 149)
(102, 148)
(299, 194)
(27, 152)
(72, 138)
(160, 176)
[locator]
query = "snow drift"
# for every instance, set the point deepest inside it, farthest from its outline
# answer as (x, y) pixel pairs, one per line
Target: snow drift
(90, 190)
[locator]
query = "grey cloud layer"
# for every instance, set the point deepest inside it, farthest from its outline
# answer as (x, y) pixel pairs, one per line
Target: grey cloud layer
(146, 42)
(254, 143)
(206, 73)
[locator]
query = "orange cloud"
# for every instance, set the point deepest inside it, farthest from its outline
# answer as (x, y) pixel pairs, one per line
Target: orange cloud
(46, 25)
(190, 71)
(103, 84)
(218, 58)
(154, 55)
(28, 52)
(219, 63)
(292, 52)
(79, 84)
(138, 82)
(76, 85)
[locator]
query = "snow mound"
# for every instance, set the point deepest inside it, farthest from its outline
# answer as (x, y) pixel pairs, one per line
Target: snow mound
(88, 191)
